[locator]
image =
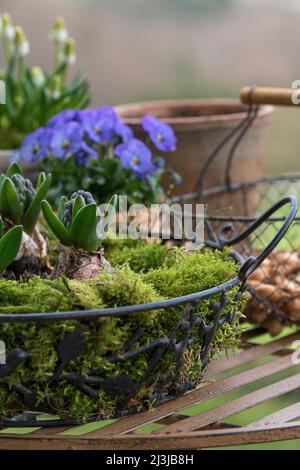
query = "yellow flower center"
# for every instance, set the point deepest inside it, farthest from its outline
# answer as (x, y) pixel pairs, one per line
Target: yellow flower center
(159, 138)
(66, 145)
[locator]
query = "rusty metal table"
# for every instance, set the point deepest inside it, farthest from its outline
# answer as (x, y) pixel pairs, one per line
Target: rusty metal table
(183, 423)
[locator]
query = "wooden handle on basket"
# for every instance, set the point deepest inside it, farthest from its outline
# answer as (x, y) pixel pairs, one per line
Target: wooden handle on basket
(268, 95)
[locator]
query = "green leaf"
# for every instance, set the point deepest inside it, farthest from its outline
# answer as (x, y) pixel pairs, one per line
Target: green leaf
(14, 169)
(10, 203)
(61, 207)
(77, 205)
(33, 211)
(9, 246)
(84, 229)
(41, 179)
(55, 224)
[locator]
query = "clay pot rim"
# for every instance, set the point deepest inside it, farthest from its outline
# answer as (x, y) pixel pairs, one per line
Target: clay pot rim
(124, 110)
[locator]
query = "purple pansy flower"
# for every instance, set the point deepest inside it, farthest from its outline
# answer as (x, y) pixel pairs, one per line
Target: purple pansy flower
(123, 131)
(160, 133)
(36, 145)
(84, 154)
(67, 141)
(62, 118)
(100, 124)
(135, 155)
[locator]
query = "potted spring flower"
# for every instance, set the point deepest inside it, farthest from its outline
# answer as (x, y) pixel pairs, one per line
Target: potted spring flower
(94, 149)
(33, 96)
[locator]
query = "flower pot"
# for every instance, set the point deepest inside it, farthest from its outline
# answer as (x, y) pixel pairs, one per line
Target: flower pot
(200, 125)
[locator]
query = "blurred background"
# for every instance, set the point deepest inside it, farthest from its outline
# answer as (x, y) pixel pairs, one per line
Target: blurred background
(153, 49)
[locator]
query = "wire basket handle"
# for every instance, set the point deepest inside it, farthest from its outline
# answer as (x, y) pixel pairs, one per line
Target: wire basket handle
(239, 131)
(252, 262)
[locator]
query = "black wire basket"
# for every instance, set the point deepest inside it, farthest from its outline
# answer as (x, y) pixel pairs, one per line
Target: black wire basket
(234, 206)
(190, 330)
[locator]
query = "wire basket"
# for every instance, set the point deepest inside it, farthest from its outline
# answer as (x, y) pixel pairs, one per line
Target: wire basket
(190, 330)
(231, 208)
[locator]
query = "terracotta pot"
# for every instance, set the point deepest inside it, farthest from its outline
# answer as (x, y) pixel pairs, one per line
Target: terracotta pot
(200, 125)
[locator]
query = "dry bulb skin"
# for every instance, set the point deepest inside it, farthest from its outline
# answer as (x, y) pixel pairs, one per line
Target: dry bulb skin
(277, 283)
(32, 258)
(76, 264)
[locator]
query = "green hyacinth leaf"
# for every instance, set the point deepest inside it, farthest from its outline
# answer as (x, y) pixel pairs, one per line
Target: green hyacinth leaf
(1, 227)
(61, 207)
(55, 224)
(14, 169)
(9, 246)
(77, 205)
(42, 177)
(33, 211)
(10, 202)
(84, 228)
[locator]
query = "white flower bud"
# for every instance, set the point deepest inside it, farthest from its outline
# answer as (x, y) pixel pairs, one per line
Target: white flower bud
(7, 28)
(21, 44)
(38, 77)
(24, 49)
(9, 32)
(59, 33)
(71, 59)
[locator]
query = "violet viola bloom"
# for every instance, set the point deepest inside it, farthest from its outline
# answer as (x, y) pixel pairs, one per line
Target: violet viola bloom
(67, 141)
(124, 131)
(84, 154)
(160, 133)
(100, 124)
(36, 145)
(135, 155)
(63, 118)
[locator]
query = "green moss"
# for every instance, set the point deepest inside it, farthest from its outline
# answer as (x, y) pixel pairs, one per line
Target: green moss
(195, 272)
(142, 258)
(38, 295)
(180, 274)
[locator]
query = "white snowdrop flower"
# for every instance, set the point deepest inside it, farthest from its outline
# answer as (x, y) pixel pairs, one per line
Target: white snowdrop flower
(38, 77)
(59, 32)
(9, 32)
(24, 49)
(71, 59)
(56, 94)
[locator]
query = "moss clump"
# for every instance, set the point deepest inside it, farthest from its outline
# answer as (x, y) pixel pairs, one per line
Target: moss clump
(195, 272)
(36, 295)
(140, 259)
(108, 339)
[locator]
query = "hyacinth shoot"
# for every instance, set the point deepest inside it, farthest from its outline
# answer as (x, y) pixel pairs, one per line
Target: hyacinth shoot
(19, 201)
(75, 223)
